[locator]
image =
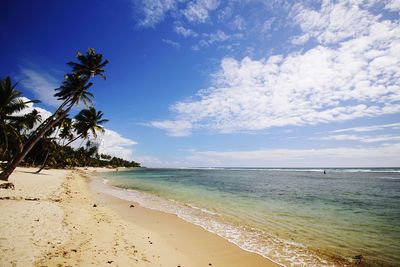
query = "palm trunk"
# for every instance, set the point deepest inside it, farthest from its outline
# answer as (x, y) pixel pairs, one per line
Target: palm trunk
(72, 140)
(31, 143)
(47, 155)
(49, 119)
(44, 162)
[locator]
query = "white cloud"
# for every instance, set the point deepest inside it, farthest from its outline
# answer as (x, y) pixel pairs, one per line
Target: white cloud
(364, 139)
(41, 84)
(148, 13)
(152, 12)
(393, 5)
(299, 40)
(174, 128)
(334, 22)
(150, 161)
(31, 106)
(199, 10)
(171, 43)
(112, 143)
(179, 29)
(369, 128)
(238, 23)
(218, 36)
(267, 25)
(225, 13)
(378, 156)
(357, 77)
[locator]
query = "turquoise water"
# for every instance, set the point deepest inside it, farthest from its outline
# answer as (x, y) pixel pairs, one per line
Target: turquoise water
(292, 216)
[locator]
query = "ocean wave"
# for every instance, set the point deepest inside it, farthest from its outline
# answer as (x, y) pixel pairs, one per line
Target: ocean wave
(201, 209)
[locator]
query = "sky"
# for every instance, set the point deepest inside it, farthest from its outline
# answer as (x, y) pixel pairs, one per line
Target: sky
(212, 83)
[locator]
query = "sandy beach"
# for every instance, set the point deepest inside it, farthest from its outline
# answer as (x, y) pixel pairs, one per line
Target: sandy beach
(56, 219)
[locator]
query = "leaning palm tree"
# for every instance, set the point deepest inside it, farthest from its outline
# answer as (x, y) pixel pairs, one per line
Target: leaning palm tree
(49, 139)
(11, 123)
(47, 144)
(73, 91)
(88, 121)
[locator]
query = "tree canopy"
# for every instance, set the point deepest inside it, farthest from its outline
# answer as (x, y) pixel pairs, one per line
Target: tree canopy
(24, 140)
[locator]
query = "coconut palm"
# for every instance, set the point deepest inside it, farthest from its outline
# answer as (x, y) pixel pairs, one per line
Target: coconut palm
(91, 64)
(47, 144)
(88, 121)
(12, 103)
(73, 90)
(66, 130)
(30, 120)
(49, 139)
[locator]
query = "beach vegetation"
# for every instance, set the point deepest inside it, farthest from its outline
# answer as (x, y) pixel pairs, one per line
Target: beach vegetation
(20, 140)
(88, 122)
(12, 125)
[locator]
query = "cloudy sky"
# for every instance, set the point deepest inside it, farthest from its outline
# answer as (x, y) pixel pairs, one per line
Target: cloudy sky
(223, 83)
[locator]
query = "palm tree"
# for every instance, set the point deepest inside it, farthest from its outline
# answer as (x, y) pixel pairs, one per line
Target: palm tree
(49, 139)
(30, 120)
(88, 121)
(73, 90)
(47, 145)
(11, 103)
(66, 130)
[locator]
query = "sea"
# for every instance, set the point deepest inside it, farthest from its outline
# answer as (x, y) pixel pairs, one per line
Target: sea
(294, 217)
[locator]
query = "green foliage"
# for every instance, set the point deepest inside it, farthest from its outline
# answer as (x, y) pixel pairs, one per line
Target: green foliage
(47, 144)
(89, 120)
(67, 157)
(12, 125)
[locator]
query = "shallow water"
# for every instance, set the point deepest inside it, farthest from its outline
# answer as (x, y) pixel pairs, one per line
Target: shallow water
(292, 216)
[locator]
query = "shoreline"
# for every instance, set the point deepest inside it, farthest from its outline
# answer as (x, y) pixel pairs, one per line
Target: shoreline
(294, 218)
(176, 231)
(236, 234)
(72, 225)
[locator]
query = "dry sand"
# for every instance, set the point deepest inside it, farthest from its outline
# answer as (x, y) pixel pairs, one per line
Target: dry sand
(69, 225)
(29, 228)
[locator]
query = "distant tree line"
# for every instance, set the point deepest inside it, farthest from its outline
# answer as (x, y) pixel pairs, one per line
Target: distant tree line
(68, 157)
(27, 140)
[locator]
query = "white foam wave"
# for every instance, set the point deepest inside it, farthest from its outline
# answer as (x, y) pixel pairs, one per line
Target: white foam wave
(250, 239)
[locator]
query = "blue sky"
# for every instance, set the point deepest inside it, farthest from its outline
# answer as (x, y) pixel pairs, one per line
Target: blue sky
(223, 83)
